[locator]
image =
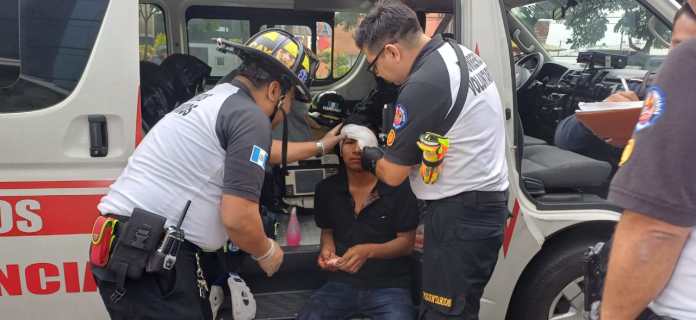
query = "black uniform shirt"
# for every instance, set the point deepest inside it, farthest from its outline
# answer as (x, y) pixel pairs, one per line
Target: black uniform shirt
(388, 210)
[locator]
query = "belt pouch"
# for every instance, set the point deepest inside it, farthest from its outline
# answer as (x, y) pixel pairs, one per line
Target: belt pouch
(103, 235)
(135, 243)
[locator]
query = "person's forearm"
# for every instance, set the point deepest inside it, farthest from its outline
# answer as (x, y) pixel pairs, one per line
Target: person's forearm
(390, 173)
(327, 240)
(643, 255)
(399, 247)
(245, 229)
(296, 151)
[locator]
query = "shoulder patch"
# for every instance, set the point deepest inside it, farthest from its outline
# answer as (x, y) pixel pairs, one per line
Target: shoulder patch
(400, 117)
(653, 108)
(390, 137)
(259, 156)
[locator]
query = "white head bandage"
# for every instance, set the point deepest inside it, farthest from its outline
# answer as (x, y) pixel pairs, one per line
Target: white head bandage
(364, 136)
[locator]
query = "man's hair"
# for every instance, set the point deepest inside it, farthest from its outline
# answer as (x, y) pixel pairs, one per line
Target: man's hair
(258, 74)
(684, 10)
(388, 20)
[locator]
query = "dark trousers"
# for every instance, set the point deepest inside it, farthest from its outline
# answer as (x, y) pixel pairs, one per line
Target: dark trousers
(336, 300)
(463, 236)
(170, 294)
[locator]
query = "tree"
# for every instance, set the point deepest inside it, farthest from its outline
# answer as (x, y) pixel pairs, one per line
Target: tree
(588, 20)
(349, 20)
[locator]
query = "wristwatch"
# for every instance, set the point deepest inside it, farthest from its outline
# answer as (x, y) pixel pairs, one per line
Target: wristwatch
(320, 148)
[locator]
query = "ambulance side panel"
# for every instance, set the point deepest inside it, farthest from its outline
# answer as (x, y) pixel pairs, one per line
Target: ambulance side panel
(50, 184)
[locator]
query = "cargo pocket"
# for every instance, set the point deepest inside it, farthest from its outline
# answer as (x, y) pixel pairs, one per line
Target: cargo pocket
(167, 282)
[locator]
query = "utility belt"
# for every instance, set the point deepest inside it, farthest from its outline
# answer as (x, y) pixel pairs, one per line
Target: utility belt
(476, 197)
(127, 247)
(596, 264)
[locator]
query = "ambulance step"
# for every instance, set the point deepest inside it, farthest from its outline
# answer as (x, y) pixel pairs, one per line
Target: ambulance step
(280, 305)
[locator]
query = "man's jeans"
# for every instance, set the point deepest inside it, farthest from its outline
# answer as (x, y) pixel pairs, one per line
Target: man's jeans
(336, 300)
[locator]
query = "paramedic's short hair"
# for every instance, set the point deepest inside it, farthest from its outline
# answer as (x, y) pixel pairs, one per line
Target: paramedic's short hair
(387, 21)
(684, 10)
(257, 73)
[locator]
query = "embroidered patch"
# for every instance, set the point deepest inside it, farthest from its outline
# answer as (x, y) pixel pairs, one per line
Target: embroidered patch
(390, 137)
(303, 75)
(628, 151)
(653, 108)
(259, 156)
(435, 299)
(400, 117)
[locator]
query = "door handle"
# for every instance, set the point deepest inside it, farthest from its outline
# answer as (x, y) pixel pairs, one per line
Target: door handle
(98, 136)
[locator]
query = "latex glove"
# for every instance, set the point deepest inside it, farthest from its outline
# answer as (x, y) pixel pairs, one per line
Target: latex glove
(369, 157)
(332, 138)
(327, 259)
(272, 263)
(354, 258)
(622, 96)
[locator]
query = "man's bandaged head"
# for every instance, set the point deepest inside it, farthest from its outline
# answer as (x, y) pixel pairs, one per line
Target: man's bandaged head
(363, 135)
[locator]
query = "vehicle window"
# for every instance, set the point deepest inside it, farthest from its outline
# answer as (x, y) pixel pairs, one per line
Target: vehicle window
(432, 22)
(610, 26)
(200, 33)
(153, 33)
(345, 52)
(55, 42)
(9, 36)
(323, 50)
(323, 47)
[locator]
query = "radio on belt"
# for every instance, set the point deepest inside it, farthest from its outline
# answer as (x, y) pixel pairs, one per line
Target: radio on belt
(164, 257)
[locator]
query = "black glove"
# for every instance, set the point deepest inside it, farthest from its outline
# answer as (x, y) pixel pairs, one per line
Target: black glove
(369, 158)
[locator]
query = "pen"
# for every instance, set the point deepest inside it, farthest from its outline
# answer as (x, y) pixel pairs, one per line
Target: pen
(625, 85)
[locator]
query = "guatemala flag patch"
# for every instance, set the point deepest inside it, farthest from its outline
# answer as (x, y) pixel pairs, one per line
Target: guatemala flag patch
(259, 156)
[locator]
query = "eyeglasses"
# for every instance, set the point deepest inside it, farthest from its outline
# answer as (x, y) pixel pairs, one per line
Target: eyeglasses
(372, 65)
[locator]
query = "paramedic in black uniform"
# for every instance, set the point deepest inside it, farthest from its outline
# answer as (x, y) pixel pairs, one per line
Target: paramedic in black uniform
(467, 206)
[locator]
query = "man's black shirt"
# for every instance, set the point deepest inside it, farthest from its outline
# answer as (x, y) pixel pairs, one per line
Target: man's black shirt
(388, 211)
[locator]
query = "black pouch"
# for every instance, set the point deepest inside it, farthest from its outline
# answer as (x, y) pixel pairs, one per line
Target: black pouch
(136, 242)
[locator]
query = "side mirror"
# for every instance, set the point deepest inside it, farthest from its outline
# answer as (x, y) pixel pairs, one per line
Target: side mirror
(328, 108)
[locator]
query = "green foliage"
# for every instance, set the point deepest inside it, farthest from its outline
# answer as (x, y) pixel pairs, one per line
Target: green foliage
(343, 62)
(588, 20)
(349, 20)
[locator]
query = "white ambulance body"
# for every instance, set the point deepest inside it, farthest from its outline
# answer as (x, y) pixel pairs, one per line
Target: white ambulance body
(70, 118)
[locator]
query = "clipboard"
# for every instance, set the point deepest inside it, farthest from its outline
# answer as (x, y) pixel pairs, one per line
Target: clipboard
(613, 122)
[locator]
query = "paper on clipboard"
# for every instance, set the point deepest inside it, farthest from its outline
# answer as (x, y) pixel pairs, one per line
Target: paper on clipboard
(611, 121)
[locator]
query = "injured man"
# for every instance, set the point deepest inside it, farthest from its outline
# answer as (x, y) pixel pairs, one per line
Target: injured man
(367, 235)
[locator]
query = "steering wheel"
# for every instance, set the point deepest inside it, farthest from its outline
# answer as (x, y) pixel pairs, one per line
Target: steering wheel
(527, 69)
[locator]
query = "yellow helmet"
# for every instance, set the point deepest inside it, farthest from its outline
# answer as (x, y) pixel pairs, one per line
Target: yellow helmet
(282, 51)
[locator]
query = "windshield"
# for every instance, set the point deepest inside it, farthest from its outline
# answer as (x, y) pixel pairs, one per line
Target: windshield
(567, 27)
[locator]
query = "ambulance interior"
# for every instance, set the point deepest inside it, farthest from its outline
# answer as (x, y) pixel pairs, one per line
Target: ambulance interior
(546, 40)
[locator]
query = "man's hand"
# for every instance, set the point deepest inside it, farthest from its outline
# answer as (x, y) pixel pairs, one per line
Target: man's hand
(355, 258)
(332, 138)
(272, 263)
(327, 258)
(622, 96)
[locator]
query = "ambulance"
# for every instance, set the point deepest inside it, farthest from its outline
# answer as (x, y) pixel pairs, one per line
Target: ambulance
(71, 115)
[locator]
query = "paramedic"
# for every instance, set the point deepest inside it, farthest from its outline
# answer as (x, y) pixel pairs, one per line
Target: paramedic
(467, 206)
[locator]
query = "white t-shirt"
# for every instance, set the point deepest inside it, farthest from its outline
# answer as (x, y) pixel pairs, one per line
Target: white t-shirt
(216, 142)
(476, 157)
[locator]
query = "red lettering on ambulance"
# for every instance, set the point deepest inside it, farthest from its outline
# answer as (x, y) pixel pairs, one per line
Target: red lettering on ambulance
(72, 280)
(47, 215)
(44, 278)
(34, 278)
(89, 285)
(10, 281)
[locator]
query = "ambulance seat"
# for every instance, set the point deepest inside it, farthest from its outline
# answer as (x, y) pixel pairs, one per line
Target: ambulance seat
(532, 141)
(557, 168)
